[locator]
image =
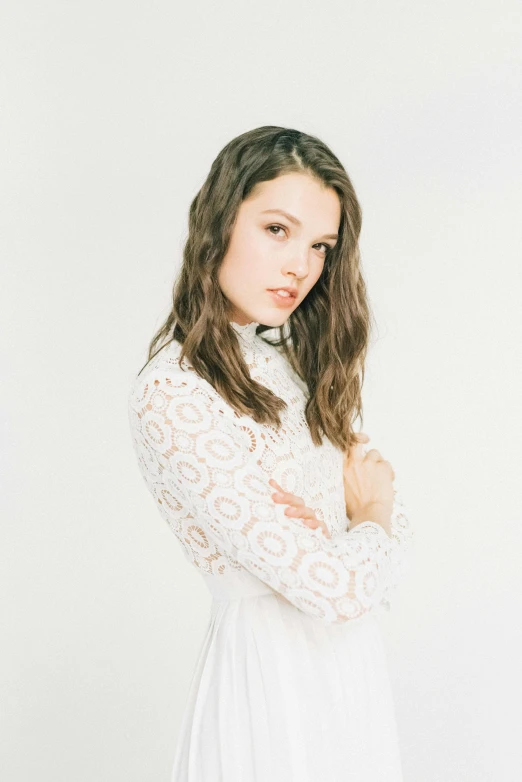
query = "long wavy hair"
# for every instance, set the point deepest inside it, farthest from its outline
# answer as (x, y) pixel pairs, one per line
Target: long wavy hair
(325, 339)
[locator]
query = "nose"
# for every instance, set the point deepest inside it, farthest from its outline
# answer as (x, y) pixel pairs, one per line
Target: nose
(297, 263)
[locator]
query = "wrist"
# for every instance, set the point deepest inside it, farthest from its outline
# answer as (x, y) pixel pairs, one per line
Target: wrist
(377, 512)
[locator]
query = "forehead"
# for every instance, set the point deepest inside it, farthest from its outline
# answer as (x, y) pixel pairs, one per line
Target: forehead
(302, 196)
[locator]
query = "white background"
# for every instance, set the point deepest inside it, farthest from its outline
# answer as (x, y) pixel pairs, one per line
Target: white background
(112, 115)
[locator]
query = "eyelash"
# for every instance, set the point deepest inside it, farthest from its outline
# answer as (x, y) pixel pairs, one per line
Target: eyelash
(274, 225)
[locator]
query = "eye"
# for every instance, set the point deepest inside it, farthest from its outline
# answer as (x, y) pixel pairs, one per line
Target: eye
(326, 246)
(279, 227)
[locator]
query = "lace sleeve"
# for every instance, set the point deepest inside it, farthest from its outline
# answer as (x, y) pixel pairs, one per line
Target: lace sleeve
(214, 459)
(402, 537)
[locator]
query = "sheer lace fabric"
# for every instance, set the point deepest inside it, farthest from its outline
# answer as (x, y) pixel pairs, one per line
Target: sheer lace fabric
(208, 469)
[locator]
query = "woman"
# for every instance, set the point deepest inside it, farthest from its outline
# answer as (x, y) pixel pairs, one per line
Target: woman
(291, 681)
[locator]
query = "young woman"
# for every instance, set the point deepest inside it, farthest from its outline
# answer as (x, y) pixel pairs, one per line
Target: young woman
(247, 446)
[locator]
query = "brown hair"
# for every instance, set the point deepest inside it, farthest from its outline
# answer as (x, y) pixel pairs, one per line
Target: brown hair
(327, 334)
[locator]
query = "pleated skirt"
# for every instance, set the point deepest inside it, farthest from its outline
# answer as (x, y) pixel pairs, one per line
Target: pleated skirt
(277, 696)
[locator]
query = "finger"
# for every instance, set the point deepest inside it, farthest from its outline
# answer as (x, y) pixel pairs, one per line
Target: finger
(360, 451)
(275, 485)
(312, 522)
(285, 495)
(315, 523)
(287, 498)
(308, 517)
(300, 512)
(325, 529)
(385, 461)
(373, 453)
(357, 451)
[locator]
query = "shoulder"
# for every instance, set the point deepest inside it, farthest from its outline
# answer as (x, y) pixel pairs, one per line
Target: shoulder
(163, 370)
(170, 405)
(168, 383)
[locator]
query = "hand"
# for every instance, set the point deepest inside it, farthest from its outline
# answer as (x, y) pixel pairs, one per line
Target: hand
(368, 484)
(361, 438)
(297, 508)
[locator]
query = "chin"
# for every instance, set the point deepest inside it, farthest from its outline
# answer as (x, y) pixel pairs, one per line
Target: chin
(273, 319)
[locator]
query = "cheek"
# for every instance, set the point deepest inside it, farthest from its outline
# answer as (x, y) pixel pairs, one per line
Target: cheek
(246, 260)
(240, 271)
(314, 277)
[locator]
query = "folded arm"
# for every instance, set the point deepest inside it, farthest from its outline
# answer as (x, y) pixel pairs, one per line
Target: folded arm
(214, 458)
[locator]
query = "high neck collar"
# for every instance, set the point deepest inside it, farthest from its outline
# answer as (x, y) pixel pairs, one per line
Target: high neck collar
(248, 331)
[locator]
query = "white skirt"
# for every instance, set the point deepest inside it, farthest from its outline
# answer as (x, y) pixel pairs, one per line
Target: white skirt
(278, 696)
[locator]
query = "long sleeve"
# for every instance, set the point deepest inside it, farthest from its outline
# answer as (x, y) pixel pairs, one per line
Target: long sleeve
(202, 459)
(402, 537)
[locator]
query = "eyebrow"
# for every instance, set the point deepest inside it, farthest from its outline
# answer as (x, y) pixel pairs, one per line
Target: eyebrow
(296, 221)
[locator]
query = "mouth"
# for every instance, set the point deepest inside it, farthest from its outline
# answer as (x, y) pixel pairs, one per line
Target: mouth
(289, 292)
(283, 297)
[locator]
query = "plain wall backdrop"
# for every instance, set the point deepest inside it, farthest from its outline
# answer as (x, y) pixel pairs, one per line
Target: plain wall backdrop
(112, 113)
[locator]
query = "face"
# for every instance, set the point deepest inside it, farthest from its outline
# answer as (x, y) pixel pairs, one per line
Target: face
(270, 250)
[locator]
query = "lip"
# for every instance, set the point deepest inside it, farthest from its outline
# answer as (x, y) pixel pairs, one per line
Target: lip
(282, 301)
(287, 288)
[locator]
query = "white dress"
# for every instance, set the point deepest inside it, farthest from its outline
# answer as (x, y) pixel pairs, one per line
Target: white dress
(291, 682)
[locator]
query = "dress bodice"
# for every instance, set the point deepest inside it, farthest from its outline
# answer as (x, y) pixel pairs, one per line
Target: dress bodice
(208, 468)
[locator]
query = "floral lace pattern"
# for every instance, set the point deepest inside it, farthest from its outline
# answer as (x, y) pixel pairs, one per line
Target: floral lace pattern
(208, 469)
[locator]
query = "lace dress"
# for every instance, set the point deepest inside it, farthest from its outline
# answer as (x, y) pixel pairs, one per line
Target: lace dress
(291, 681)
